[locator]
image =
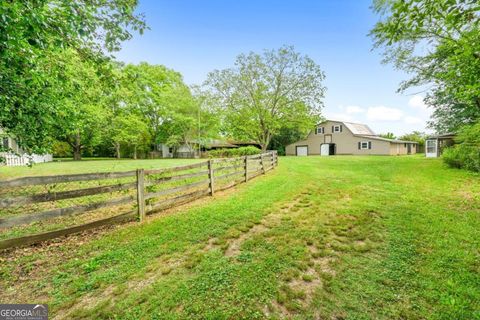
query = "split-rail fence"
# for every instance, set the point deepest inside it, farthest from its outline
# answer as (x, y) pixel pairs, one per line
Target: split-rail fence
(34, 203)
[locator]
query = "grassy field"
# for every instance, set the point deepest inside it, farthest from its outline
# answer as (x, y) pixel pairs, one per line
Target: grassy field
(317, 238)
(73, 167)
(89, 165)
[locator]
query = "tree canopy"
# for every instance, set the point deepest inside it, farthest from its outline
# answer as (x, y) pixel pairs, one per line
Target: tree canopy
(33, 34)
(416, 136)
(439, 43)
(262, 92)
(388, 135)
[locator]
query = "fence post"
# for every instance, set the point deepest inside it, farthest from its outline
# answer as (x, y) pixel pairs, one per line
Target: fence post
(141, 194)
(210, 176)
(262, 163)
(246, 168)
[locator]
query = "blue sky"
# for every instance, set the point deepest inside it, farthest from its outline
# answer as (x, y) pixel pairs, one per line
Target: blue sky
(196, 37)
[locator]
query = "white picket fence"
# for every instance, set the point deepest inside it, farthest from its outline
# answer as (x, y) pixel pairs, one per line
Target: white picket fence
(24, 159)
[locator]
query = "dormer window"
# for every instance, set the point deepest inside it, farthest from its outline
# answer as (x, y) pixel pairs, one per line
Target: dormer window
(320, 130)
(337, 128)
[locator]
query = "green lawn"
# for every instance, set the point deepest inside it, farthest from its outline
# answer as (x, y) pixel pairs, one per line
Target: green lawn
(90, 165)
(317, 238)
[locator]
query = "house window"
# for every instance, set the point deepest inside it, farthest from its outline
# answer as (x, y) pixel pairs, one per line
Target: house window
(405, 145)
(337, 128)
(364, 145)
(320, 130)
(5, 143)
(170, 150)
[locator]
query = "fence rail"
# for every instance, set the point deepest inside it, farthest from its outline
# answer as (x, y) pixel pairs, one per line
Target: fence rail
(152, 190)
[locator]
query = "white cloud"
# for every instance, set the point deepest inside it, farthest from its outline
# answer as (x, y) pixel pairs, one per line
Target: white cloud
(417, 102)
(354, 109)
(413, 120)
(383, 113)
(338, 116)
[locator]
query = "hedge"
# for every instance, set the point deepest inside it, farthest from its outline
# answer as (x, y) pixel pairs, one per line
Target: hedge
(233, 152)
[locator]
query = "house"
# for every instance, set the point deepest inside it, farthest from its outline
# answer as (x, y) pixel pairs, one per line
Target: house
(194, 148)
(339, 137)
(434, 145)
(15, 156)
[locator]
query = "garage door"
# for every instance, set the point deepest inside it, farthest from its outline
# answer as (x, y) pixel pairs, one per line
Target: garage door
(302, 151)
(325, 149)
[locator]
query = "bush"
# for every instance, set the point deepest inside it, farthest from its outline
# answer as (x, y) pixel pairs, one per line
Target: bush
(466, 153)
(234, 152)
(453, 157)
(61, 149)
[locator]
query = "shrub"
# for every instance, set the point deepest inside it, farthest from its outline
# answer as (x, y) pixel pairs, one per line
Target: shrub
(61, 149)
(234, 152)
(248, 151)
(466, 153)
(453, 157)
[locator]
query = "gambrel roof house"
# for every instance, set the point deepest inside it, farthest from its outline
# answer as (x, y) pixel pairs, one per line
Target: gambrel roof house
(339, 137)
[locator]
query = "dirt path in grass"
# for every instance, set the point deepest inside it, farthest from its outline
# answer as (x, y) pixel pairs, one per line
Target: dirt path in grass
(182, 263)
(298, 286)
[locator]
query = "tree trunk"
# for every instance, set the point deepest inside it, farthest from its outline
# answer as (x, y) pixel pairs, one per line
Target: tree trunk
(265, 142)
(77, 148)
(77, 155)
(117, 150)
(135, 152)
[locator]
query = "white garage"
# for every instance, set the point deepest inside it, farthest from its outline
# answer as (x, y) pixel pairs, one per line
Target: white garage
(302, 150)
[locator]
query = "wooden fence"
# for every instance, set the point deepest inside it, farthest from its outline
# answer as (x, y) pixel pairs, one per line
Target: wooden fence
(24, 159)
(141, 191)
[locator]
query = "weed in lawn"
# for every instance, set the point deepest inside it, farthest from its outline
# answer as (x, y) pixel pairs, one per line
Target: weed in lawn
(307, 278)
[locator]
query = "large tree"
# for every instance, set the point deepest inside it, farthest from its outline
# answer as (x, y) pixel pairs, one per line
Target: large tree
(130, 130)
(194, 124)
(157, 93)
(438, 42)
(83, 117)
(262, 92)
(32, 34)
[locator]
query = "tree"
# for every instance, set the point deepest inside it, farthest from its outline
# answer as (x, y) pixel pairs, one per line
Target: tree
(439, 43)
(32, 34)
(82, 120)
(416, 136)
(264, 91)
(157, 93)
(285, 136)
(130, 130)
(193, 124)
(388, 135)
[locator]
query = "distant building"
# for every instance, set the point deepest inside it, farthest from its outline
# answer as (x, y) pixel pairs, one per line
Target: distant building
(16, 156)
(340, 137)
(194, 149)
(434, 145)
